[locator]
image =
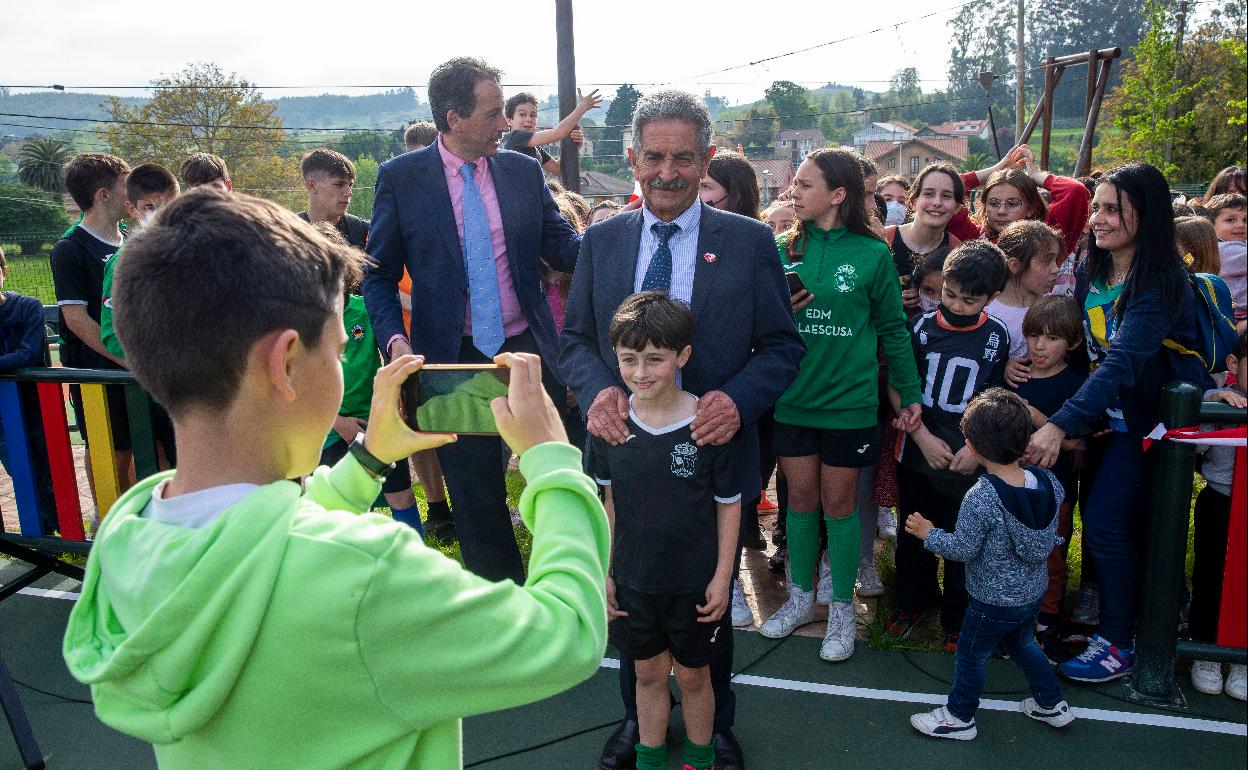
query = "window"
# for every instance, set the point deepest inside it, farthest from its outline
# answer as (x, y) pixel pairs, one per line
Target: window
(914, 164)
(892, 163)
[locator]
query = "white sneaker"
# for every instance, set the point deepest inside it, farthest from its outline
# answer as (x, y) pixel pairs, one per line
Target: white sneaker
(869, 583)
(742, 615)
(1207, 677)
(838, 639)
(797, 611)
(823, 590)
(886, 523)
(1058, 716)
(939, 723)
(1237, 682)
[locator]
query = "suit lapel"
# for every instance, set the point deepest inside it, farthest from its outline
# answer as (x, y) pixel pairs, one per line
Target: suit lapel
(704, 270)
(507, 195)
(626, 270)
(443, 213)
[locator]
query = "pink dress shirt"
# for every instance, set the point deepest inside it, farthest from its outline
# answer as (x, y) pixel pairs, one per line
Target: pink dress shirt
(513, 319)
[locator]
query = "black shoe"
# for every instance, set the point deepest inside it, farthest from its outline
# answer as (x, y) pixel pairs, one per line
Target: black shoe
(775, 562)
(1054, 647)
(727, 751)
(753, 539)
(620, 753)
(441, 529)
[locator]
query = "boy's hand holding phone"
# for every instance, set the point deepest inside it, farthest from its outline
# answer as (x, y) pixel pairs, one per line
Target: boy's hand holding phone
(387, 437)
(526, 417)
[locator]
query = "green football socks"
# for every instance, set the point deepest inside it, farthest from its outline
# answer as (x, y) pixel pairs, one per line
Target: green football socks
(844, 545)
(802, 531)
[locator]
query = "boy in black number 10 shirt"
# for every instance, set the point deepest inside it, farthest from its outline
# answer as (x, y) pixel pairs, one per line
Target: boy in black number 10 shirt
(961, 351)
(674, 507)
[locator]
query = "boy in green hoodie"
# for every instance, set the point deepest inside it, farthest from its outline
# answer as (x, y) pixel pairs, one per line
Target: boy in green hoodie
(232, 619)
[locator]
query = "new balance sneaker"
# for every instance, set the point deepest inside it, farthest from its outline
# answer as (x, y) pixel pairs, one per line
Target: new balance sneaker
(838, 639)
(1058, 716)
(869, 583)
(823, 589)
(1087, 610)
(1100, 662)
(1207, 677)
(902, 623)
(886, 523)
(742, 615)
(939, 723)
(1237, 682)
(797, 611)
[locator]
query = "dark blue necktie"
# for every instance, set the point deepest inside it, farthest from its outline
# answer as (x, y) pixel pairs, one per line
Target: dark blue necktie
(659, 272)
(487, 307)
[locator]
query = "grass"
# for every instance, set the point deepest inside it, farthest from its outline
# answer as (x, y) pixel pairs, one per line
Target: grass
(524, 538)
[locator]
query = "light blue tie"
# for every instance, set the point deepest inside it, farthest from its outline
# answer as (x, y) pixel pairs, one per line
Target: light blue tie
(487, 308)
(659, 271)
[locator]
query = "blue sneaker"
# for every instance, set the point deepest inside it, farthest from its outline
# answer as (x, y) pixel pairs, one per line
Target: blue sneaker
(1100, 662)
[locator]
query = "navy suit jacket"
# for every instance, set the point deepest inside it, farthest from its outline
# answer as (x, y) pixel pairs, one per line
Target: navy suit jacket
(744, 340)
(414, 226)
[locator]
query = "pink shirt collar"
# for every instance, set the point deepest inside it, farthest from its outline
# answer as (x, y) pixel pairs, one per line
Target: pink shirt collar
(453, 162)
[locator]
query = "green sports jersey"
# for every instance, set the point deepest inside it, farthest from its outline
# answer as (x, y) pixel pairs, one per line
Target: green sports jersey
(360, 361)
(107, 334)
(856, 308)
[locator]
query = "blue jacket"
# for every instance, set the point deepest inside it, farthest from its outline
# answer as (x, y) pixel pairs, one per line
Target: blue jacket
(413, 226)
(1136, 365)
(21, 331)
(744, 340)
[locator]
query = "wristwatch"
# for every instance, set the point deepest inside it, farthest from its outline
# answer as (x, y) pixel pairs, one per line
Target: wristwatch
(374, 467)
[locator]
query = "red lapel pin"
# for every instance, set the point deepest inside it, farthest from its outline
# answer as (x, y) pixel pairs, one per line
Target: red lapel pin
(709, 257)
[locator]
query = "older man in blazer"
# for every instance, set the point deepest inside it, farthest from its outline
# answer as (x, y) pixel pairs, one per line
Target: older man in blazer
(468, 223)
(746, 348)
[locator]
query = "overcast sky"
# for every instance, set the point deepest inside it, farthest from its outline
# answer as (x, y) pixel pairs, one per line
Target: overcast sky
(332, 45)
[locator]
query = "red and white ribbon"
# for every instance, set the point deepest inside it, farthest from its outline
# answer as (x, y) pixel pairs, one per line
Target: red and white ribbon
(1236, 436)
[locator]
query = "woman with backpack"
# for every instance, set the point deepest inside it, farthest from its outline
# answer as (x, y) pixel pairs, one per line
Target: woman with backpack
(1141, 312)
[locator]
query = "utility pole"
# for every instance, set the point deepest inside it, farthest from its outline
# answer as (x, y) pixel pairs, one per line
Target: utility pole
(569, 153)
(1178, 50)
(1021, 73)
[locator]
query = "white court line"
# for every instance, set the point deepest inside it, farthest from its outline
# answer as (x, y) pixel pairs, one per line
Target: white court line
(46, 593)
(901, 696)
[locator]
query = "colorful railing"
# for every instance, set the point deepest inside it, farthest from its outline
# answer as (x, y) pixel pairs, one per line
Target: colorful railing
(49, 384)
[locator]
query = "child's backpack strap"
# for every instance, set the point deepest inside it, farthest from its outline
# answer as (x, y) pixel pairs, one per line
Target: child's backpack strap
(1216, 336)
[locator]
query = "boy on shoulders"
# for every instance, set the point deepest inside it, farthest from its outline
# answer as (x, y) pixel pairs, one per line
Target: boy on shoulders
(521, 113)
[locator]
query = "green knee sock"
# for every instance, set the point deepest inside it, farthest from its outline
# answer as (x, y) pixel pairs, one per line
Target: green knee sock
(697, 756)
(843, 551)
(802, 531)
(651, 758)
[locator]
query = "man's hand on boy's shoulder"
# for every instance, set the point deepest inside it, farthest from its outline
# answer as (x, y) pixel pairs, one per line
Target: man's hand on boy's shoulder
(387, 437)
(717, 420)
(606, 416)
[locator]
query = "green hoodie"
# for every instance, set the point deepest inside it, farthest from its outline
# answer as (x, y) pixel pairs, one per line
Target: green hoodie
(292, 632)
(856, 307)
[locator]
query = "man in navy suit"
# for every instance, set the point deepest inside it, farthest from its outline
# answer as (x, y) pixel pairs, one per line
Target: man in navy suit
(468, 223)
(746, 348)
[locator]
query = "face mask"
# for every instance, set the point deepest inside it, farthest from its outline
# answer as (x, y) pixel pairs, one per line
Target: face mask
(896, 214)
(927, 304)
(957, 320)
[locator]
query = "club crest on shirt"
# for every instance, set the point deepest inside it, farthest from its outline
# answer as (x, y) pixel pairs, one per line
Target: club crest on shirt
(846, 278)
(357, 332)
(684, 460)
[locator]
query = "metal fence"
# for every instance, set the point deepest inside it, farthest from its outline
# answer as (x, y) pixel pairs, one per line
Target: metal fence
(30, 271)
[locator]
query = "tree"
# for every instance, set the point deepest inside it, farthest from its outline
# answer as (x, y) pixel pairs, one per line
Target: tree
(714, 104)
(757, 130)
(365, 185)
(35, 216)
(611, 146)
(792, 104)
(374, 144)
(7, 174)
(1206, 97)
(200, 109)
(41, 161)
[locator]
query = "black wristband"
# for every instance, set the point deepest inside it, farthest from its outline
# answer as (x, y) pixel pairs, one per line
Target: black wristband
(374, 467)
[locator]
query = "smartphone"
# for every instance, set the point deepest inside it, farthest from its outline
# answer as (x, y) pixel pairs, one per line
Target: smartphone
(795, 283)
(454, 398)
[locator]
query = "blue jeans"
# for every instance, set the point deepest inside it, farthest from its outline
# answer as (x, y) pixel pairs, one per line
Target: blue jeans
(983, 628)
(1111, 524)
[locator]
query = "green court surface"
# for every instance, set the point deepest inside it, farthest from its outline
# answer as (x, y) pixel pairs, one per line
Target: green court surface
(793, 711)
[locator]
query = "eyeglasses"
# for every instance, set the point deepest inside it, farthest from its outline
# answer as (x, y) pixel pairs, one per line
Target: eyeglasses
(1010, 203)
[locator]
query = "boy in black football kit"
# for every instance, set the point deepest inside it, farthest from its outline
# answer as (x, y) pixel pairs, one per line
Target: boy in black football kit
(674, 509)
(961, 351)
(329, 178)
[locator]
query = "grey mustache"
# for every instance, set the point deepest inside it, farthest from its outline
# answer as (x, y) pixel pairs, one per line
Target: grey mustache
(675, 184)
